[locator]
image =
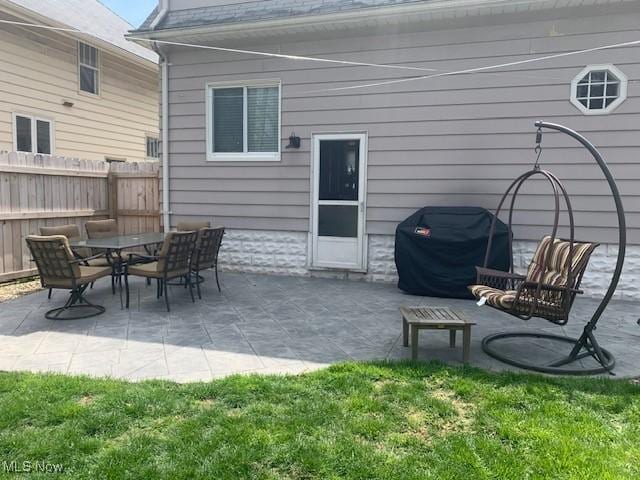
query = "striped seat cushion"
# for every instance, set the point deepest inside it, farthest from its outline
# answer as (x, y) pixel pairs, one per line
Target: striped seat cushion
(556, 269)
(495, 297)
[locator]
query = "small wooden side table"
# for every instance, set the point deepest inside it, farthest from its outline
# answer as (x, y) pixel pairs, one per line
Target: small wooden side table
(415, 319)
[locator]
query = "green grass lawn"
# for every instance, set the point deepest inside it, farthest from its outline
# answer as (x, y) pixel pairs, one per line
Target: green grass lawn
(364, 421)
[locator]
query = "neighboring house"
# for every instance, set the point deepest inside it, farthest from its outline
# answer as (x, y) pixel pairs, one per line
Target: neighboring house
(91, 96)
(369, 157)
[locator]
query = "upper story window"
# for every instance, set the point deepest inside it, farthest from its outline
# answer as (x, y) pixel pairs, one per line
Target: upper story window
(89, 68)
(243, 121)
(153, 148)
(598, 89)
(32, 134)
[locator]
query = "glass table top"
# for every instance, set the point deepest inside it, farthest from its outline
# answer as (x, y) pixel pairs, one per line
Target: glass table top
(121, 242)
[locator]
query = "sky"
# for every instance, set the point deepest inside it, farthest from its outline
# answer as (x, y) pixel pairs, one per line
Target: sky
(133, 11)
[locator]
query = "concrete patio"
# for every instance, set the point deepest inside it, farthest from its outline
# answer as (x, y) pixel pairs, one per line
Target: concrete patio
(265, 324)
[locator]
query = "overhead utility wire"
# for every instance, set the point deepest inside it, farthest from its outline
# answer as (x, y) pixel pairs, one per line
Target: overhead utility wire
(481, 69)
(401, 80)
(298, 57)
(287, 57)
(235, 50)
(347, 62)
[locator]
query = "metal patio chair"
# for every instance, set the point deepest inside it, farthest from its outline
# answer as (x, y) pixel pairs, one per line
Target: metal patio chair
(192, 226)
(173, 261)
(59, 268)
(102, 228)
(206, 255)
(72, 232)
(549, 288)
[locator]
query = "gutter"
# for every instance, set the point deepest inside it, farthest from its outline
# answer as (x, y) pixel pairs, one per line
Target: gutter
(439, 7)
(166, 205)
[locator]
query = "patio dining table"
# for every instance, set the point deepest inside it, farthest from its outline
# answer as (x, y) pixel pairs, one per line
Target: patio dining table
(117, 244)
(121, 242)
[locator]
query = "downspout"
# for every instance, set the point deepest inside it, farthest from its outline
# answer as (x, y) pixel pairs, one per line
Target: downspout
(164, 69)
(166, 206)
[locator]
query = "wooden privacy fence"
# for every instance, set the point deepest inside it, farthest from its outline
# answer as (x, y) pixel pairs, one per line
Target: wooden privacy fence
(42, 190)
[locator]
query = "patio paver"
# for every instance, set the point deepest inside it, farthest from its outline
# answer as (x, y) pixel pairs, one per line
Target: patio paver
(264, 324)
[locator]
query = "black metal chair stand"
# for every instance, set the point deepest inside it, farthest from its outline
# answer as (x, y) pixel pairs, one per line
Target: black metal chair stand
(582, 350)
(77, 303)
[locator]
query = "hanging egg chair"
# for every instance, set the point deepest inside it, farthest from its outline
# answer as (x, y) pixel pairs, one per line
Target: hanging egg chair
(552, 281)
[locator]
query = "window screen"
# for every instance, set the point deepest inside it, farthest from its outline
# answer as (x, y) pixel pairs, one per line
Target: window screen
(228, 120)
(262, 119)
(89, 70)
(23, 134)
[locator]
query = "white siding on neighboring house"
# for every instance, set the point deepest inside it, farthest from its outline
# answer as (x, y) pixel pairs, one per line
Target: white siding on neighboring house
(39, 71)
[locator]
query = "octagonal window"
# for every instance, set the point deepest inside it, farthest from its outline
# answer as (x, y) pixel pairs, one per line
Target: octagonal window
(598, 89)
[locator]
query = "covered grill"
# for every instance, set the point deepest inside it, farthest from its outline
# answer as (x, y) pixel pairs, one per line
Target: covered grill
(437, 249)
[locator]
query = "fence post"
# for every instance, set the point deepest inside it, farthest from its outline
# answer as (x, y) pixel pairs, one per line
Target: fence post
(112, 192)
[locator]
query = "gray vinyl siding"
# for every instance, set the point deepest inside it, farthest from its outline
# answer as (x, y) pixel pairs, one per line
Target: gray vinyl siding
(445, 141)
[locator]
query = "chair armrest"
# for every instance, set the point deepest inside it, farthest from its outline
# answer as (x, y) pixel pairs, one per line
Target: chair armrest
(551, 288)
(150, 258)
(86, 259)
(498, 279)
(158, 247)
(499, 273)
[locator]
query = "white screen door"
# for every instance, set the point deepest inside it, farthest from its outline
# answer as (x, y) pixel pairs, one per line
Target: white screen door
(339, 165)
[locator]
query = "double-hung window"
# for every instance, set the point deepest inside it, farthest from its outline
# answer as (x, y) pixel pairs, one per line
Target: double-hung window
(89, 68)
(32, 134)
(243, 121)
(153, 147)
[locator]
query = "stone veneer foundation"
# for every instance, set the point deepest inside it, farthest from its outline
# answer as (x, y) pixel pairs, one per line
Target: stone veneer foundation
(285, 253)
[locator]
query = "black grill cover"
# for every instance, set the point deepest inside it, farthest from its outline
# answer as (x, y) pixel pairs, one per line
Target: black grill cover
(438, 248)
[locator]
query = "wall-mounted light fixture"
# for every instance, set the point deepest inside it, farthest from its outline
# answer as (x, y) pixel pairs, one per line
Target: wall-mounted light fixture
(294, 141)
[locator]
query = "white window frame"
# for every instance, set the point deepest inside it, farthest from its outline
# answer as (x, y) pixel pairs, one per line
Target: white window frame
(242, 156)
(97, 69)
(622, 89)
(148, 137)
(34, 132)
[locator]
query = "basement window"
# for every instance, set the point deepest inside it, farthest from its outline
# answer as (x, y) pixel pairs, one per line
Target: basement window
(598, 89)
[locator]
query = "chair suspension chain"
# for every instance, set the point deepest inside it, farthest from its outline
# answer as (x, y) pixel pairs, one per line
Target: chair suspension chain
(538, 148)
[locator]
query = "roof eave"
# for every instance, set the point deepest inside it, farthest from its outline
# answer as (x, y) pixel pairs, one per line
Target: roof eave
(35, 17)
(268, 26)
